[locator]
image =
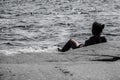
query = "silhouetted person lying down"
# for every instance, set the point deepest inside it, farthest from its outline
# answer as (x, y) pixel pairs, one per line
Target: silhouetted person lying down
(97, 29)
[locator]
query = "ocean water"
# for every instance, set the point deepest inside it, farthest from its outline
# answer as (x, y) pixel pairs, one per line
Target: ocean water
(43, 25)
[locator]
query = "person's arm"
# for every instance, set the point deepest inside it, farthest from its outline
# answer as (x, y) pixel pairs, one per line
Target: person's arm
(104, 39)
(88, 42)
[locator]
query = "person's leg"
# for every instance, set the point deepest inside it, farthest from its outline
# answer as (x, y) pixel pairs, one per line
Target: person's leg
(66, 47)
(70, 44)
(74, 44)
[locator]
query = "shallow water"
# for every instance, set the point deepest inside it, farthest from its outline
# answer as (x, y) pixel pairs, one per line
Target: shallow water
(44, 25)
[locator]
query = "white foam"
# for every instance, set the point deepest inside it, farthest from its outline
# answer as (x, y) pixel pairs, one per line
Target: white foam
(33, 50)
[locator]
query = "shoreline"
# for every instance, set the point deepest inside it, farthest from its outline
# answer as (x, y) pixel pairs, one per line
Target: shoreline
(78, 64)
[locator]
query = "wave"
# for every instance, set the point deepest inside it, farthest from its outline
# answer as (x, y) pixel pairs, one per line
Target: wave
(28, 49)
(14, 37)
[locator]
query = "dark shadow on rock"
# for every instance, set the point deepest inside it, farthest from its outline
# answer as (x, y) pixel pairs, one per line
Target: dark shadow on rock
(109, 58)
(112, 59)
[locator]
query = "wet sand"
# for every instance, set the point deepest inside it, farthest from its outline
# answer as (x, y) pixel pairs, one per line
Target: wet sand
(96, 62)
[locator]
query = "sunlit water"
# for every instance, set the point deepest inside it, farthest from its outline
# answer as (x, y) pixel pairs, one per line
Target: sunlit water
(43, 25)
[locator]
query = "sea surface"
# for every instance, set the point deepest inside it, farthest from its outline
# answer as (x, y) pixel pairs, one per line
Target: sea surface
(43, 25)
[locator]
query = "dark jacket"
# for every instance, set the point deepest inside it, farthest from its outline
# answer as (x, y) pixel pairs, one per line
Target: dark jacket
(95, 40)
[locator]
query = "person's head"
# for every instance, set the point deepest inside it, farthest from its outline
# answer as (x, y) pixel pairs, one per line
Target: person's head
(97, 28)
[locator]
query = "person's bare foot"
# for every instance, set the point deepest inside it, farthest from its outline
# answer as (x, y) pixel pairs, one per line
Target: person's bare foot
(60, 50)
